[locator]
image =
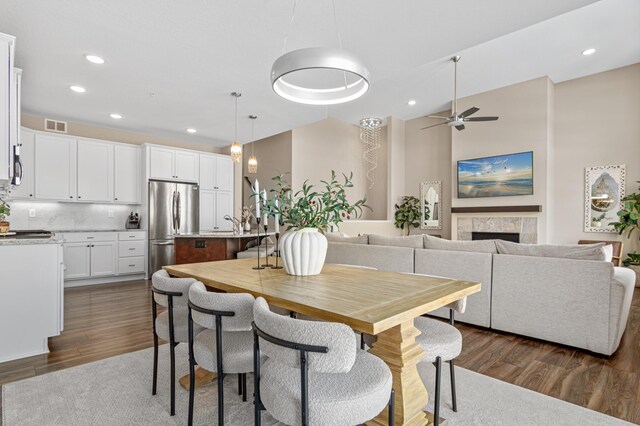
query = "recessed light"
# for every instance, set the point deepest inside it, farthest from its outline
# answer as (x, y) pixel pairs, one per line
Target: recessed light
(115, 115)
(588, 52)
(190, 130)
(412, 102)
(94, 59)
(78, 89)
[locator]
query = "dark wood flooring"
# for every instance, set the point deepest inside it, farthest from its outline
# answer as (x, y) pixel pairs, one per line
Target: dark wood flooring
(112, 319)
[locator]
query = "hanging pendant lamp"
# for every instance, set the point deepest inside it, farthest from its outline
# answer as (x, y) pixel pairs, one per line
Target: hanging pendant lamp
(252, 163)
(236, 148)
(319, 75)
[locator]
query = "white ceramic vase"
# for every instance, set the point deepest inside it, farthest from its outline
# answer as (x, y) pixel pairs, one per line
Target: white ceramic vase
(303, 251)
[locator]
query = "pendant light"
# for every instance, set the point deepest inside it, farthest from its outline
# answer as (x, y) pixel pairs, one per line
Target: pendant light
(252, 164)
(319, 75)
(236, 148)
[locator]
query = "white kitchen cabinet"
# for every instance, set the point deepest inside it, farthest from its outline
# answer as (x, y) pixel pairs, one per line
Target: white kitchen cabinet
(224, 206)
(55, 162)
(95, 171)
(207, 210)
(216, 172)
(77, 260)
(186, 166)
(7, 45)
(171, 164)
(207, 172)
(15, 115)
(224, 173)
(103, 258)
(127, 174)
(26, 189)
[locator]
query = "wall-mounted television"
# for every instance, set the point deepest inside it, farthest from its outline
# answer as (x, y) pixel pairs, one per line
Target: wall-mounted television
(499, 176)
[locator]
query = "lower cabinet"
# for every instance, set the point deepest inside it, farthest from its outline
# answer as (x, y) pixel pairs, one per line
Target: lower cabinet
(86, 260)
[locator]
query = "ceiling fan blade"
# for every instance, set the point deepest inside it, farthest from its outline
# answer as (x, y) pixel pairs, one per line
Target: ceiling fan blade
(481, 119)
(470, 111)
(439, 124)
(437, 116)
(460, 127)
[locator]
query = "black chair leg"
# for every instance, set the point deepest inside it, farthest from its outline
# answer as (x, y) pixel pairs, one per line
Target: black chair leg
(436, 401)
(192, 385)
(173, 378)
(220, 398)
(392, 408)
(362, 341)
(244, 387)
(239, 383)
(155, 364)
(453, 386)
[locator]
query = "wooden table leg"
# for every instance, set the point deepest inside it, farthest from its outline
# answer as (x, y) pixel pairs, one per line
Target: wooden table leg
(203, 377)
(398, 348)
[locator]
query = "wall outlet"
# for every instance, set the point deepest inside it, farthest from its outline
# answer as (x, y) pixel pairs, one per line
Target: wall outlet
(110, 214)
(32, 212)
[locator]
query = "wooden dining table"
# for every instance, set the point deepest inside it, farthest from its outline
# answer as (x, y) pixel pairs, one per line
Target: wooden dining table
(370, 301)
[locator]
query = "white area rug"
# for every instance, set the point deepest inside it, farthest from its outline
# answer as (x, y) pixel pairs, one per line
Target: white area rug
(117, 391)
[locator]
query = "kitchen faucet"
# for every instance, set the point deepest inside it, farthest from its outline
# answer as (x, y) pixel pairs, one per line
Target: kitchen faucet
(236, 223)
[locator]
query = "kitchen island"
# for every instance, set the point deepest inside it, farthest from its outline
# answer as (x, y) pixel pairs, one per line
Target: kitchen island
(206, 247)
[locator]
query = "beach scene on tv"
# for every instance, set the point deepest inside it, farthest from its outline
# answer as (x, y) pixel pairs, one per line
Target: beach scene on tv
(499, 176)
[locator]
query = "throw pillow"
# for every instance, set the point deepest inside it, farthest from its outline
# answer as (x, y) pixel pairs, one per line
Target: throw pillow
(608, 252)
(482, 246)
(341, 238)
(563, 251)
(413, 241)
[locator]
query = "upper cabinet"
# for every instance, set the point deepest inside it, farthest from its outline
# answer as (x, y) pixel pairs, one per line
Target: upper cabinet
(172, 164)
(26, 190)
(55, 160)
(7, 110)
(216, 172)
(95, 171)
(127, 174)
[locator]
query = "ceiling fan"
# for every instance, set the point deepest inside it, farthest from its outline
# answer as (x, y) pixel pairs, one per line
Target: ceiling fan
(457, 120)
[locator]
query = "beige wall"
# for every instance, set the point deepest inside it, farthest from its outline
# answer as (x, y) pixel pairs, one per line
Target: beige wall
(332, 144)
(524, 111)
(597, 123)
(428, 158)
(274, 158)
(116, 135)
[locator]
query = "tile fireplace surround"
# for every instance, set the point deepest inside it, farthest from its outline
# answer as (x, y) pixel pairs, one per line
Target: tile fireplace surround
(526, 226)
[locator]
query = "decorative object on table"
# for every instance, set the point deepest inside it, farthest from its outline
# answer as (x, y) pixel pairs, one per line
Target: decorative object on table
(499, 176)
(430, 198)
(337, 75)
(265, 220)
(236, 148)
(5, 210)
(256, 195)
(408, 213)
(370, 135)
(133, 221)
(276, 226)
(457, 120)
(603, 197)
(252, 163)
(245, 218)
(305, 213)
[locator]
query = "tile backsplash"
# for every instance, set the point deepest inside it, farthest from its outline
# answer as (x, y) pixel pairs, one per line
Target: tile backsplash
(69, 216)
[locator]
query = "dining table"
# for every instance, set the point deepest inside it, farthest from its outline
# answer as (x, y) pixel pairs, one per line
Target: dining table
(375, 302)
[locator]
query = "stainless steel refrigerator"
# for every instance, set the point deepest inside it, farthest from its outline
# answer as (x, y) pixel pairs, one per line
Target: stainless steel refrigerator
(174, 209)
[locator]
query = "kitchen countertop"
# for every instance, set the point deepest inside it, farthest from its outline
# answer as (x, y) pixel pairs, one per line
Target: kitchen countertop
(220, 235)
(68, 231)
(9, 241)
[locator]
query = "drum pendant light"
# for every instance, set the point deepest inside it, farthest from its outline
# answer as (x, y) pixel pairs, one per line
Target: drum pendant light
(236, 148)
(252, 164)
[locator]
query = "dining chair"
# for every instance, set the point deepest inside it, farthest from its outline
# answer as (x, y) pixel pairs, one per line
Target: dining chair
(170, 325)
(314, 373)
(225, 344)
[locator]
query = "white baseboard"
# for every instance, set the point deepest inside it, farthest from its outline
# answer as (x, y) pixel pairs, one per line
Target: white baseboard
(103, 280)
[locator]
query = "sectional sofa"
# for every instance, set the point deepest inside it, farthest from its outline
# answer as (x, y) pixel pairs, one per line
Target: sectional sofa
(564, 294)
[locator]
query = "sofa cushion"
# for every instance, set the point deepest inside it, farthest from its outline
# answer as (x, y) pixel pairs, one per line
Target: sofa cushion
(341, 238)
(563, 251)
(481, 246)
(385, 258)
(413, 241)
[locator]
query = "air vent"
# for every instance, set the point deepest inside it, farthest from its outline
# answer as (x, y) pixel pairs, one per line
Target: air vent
(55, 126)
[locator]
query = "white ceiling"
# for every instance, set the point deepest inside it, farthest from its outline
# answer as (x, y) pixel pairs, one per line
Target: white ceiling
(191, 55)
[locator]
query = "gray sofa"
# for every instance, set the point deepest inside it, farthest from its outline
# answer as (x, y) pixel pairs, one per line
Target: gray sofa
(580, 303)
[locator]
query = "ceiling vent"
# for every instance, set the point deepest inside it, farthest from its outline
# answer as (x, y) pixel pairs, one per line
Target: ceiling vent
(55, 126)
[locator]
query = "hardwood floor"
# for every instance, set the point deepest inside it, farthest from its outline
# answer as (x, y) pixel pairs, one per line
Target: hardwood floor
(112, 319)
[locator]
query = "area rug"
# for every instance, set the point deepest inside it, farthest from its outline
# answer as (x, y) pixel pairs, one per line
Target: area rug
(117, 391)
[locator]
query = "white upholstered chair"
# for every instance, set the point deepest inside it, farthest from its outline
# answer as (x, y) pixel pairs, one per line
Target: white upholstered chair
(172, 324)
(314, 373)
(226, 343)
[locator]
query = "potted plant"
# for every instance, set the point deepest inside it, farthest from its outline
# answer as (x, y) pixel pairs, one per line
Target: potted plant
(408, 213)
(629, 221)
(5, 210)
(245, 218)
(308, 214)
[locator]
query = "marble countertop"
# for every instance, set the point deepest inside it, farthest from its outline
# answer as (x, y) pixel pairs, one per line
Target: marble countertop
(221, 235)
(68, 231)
(12, 241)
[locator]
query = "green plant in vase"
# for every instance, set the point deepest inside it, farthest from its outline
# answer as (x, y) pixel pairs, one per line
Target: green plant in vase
(5, 210)
(408, 213)
(305, 212)
(628, 222)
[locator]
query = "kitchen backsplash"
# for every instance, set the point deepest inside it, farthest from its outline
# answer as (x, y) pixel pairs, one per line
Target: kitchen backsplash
(69, 216)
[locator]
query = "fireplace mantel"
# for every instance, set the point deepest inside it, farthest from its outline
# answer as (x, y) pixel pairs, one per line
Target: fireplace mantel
(498, 209)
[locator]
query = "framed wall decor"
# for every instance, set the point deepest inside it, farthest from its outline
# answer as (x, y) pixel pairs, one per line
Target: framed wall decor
(431, 205)
(603, 193)
(498, 176)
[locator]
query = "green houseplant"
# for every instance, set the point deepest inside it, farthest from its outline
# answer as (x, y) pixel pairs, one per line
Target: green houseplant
(306, 212)
(628, 222)
(5, 210)
(408, 213)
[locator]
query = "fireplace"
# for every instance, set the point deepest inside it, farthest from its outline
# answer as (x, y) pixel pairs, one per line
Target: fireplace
(514, 237)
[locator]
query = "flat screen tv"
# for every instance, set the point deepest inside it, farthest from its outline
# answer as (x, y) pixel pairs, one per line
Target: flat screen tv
(500, 176)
